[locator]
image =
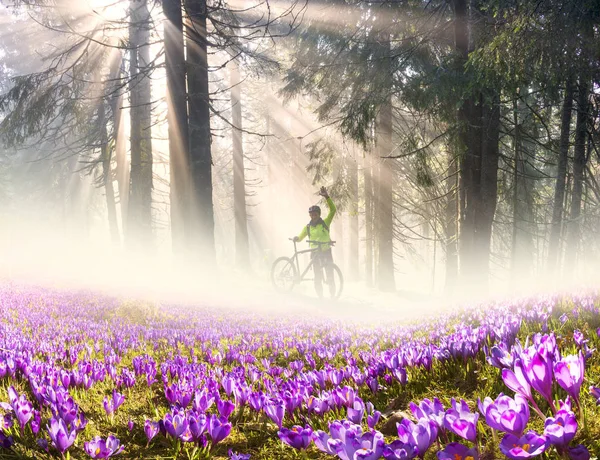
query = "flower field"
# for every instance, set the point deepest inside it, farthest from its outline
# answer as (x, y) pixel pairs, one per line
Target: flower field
(87, 376)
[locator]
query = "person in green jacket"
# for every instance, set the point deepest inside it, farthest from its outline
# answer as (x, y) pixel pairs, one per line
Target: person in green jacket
(317, 231)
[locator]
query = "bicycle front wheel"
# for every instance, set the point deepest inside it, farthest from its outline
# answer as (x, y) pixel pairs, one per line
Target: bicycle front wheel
(337, 284)
(283, 274)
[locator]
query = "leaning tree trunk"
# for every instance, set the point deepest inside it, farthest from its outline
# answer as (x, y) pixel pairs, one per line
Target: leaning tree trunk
(177, 118)
(140, 202)
(242, 255)
(201, 234)
(561, 178)
(579, 162)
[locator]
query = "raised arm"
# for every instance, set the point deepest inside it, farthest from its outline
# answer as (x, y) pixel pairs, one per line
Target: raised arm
(332, 210)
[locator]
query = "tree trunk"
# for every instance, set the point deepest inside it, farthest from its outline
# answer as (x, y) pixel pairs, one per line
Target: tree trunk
(353, 274)
(118, 143)
(177, 118)
(579, 163)
(242, 256)
(107, 178)
(201, 236)
(140, 202)
(478, 120)
(490, 152)
(451, 224)
(385, 197)
(369, 206)
(561, 178)
(522, 242)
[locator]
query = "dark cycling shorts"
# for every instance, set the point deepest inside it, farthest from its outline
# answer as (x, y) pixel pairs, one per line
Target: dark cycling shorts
(323, 257)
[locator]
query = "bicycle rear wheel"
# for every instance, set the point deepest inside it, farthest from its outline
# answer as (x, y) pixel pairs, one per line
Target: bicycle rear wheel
(283, 274)
(338, 282)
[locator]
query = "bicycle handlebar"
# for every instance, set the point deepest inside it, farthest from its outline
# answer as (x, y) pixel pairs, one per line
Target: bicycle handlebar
(331, 243)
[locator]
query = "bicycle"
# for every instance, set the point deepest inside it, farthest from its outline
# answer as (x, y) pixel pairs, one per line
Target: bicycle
(285, 273)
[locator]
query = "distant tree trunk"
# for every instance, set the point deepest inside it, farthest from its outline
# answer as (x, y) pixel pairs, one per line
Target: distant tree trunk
(561, 178)
(451, 224)
(202, 232)
(385, 197)
(140, 202)
(369, 207)
(242, 256)
(122, 164)
(478, 120)
(490, 151)
(107, 178)
(579, 162)
(177, 118)
(353, 274)
(117, 144)
(522, 241)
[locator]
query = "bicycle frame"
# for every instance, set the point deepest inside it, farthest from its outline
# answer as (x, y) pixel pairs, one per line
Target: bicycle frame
(296, 260)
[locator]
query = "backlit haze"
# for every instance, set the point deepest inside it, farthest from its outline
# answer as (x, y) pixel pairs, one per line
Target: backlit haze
(61, 238)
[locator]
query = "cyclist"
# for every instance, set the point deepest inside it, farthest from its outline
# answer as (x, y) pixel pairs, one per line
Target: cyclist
(318, 230)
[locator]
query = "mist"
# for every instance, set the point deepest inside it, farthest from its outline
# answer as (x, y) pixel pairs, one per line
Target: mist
(57, 230)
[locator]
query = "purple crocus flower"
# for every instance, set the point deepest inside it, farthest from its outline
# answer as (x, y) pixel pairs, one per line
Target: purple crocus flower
(198, 424)
(298, 437)
(60, 435)
(432, 410)
(398, 450)
(569, 374)
(99, 448)
(22, 408)
(218, 428)
(235, 456)
(275, 410)
(151, 429)
(256, 400)
(529, 445)
(356, 412)
(325, 443)
(6, 442)
(176, 424)
(579, 452)
(538, 369)
(111, 405)
(579, 338)
(421, 434)
(225, 408)
(561, 428)
(400, 375)
(506, 414)
(516, 380)
(373, 419)
(202, 401)
(36, 422)
(595, 392)
(500, 356)
(461, 421)
(457, 451)
(563, 318)
(365, 446)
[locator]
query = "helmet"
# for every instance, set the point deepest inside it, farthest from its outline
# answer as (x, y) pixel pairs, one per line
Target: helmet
(314, 209)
